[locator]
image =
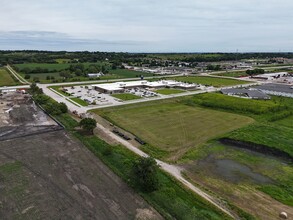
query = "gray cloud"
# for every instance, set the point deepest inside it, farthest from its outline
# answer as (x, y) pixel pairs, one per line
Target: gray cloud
(147, 25)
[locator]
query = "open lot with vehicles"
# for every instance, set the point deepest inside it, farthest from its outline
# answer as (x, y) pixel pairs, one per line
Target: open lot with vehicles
(85, 95)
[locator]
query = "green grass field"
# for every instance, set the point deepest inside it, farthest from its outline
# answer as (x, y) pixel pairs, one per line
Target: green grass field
(57, 67)
(233, 74)
(172, 127)
(275, 133)
(49, 66)
(268, 134)
(234, 104)
(172, 200)
(287, 122)
(80, 101)
(6, 79)
(210, 81)
(169, 91)
(124, 73)
(126, 96)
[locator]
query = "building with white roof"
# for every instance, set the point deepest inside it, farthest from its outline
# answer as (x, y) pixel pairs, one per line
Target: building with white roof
(119, 87)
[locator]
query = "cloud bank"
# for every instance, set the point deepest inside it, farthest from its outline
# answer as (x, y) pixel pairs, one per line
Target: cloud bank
(147, 25)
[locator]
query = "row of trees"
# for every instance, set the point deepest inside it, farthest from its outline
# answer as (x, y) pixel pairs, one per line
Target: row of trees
(50, 105)
(255, 72)
(213, 67)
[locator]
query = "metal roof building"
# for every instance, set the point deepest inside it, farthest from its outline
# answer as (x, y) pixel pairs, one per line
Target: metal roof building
(121, 86)
(250, 93)
(277, 89)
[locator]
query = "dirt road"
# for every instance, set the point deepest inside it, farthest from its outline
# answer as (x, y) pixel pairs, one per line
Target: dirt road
(16, 75)
(171, 169)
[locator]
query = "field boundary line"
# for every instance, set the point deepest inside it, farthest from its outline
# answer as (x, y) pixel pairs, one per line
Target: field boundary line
(16, 75)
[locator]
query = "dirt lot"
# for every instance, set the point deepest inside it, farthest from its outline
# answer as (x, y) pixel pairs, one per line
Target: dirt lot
(19, 116)
(51, 176)
(45, 174)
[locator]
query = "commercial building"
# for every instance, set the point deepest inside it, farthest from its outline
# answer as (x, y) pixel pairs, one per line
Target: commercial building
(249, 93)
(119, 87)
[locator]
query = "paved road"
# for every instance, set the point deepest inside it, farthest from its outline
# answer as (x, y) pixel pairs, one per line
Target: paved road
(15, 87)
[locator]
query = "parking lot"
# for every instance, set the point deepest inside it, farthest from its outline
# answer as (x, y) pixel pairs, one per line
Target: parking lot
(94, 97)
(90, 95)
(142, 92)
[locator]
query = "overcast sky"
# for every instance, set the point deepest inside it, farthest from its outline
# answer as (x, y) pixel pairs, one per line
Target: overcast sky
(148, 25)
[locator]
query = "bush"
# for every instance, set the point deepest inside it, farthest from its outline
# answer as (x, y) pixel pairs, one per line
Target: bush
(63, 107)
(88, 124)
(145, 174)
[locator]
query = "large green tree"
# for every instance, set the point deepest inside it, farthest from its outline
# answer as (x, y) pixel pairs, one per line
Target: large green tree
(88, 124)
(145, 173)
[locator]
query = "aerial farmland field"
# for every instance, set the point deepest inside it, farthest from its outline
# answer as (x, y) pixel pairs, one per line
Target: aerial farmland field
(172, 127)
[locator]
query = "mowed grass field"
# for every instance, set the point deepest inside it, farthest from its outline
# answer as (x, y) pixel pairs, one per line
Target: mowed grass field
(126, 96)
(171, 128)
(169, 91)
(210, 81)
(234, 74)
(6, 79)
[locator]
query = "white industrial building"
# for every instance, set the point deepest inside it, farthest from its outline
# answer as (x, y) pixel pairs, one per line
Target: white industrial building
(95, 75)
(119, 87)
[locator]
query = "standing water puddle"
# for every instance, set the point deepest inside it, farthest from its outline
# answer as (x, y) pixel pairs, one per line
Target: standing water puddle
(236, 172)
